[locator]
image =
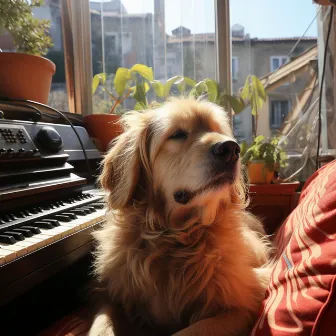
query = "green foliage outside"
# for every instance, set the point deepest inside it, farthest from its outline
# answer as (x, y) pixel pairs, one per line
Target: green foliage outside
(30, 35)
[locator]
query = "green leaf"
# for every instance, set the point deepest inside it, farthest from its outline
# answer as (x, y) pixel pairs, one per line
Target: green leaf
(236, 103)
(190, 81)
(143, 70)
(243, 148)
(258, 87)
(158, 88)
(139, 94)
(169, 84)
(139, 106)
(120, 80)
(147, 87)
(259, 139)
(181, 85)
(97, 79)
(245, 94)
(212, 89)
(95, 83)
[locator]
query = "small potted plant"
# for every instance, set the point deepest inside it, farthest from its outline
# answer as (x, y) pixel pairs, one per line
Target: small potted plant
(262, 158)
(25, 74)
(139, 84)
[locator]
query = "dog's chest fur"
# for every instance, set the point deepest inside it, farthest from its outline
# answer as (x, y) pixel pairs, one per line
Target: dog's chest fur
(173, 283)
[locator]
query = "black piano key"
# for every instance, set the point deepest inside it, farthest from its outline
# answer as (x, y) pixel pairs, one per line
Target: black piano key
(32, 229)
(54, 222)
(63, 218)
(87, 211)
(70, 214)
(34, 211)
(17, 235)
(25, 232)
(79, 212)
(7, 218)
(27, 213)
(13, 216)
(92, 208)
(44, 225)
(45, 207)
(7, 239)
(98, 205)
(21, 214)
(2, 221)
(40, 209)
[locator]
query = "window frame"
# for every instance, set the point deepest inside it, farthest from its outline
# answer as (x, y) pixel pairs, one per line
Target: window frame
(272, 101)
(76, 23)
(280, 58)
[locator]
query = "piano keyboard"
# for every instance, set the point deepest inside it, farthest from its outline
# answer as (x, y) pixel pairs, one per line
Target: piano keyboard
(27, 230)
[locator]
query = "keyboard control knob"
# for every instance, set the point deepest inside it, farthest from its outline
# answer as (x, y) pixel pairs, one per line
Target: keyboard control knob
(3, 151)
(10, 150)
(49, 139)
(22, 150)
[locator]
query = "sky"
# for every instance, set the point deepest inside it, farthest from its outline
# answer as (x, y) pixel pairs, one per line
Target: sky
(261, 18)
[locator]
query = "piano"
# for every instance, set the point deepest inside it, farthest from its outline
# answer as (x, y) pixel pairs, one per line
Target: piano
(49, 206)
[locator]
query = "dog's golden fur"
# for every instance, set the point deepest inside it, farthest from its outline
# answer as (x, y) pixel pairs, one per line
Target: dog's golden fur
(199, 268)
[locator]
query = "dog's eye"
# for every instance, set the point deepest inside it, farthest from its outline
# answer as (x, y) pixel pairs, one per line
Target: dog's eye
(179, 135)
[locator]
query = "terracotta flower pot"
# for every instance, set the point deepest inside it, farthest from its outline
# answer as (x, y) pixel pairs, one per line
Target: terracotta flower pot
(103, 128)
(258, 173)
(24, 76)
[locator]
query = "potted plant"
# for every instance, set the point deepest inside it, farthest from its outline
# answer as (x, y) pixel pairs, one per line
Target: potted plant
(25, 74)
(139, 84)
(262, 158)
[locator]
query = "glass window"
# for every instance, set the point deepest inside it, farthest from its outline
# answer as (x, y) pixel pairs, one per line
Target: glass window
(277, 62)
(58, 97)
(279, 111)
(174, 37)
(235, 68)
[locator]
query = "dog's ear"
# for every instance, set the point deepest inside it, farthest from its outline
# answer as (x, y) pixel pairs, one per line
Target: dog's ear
(125, 160)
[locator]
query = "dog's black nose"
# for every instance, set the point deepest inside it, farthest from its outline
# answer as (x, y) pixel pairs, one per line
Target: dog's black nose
(227, 151)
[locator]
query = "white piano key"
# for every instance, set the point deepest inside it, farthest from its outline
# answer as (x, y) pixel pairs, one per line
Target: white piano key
(7, 256)
(20, 251)
(10, 252)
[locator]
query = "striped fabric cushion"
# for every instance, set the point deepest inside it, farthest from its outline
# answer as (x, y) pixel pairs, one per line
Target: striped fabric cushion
(300, 299)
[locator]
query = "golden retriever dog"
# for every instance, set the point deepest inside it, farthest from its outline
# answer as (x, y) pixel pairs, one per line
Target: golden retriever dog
(179, 254)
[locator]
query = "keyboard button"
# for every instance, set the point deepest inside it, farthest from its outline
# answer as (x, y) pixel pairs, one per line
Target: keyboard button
(7, 256)
(79, 212)
(33, 229)
(63, 218)
(44, 225)
(98, 205)
(70, 214)
(25, 232)
(87, 211)
(54, 222)
(8, 239)
(17, 235)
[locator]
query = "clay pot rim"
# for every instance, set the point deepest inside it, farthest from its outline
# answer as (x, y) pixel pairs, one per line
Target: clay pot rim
(12, 55)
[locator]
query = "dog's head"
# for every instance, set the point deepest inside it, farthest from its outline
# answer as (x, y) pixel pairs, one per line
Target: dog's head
(177, 156)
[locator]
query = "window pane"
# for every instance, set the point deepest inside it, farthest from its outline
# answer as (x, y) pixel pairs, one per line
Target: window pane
(266, 35)
(58, 97)
(174, 37)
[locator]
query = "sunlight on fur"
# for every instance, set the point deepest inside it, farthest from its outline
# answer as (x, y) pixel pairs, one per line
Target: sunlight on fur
(179, 252)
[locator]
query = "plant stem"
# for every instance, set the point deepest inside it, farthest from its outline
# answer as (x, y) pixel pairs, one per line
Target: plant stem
(114, 106)
(129, 91)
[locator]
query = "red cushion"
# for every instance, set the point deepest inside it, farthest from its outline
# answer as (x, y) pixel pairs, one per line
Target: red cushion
(300, 299)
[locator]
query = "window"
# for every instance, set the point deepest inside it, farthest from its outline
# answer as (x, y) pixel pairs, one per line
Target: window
(277, 62)
(234, 68)
(173, 37)
(279, 111)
